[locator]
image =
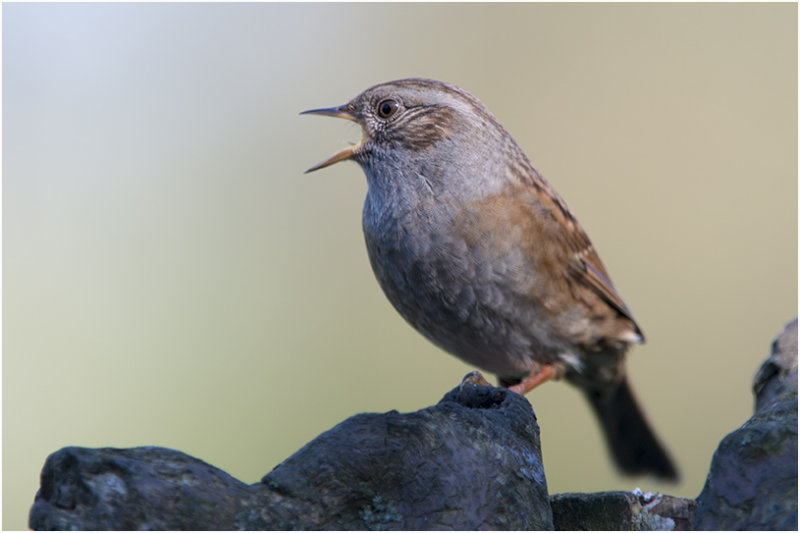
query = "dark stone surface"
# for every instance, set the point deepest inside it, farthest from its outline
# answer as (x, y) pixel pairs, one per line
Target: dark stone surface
(136, 488)
(621, 511)
(776, 380)
(753, 479)
(470, 462)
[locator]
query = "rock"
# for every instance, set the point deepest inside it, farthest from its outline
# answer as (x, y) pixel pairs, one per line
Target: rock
(753, 479)
(136, 488)
(777, 378)
(471, 462)
(621, 511)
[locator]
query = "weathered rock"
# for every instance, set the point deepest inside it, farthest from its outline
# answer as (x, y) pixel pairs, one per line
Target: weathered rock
(753, 479)
(137, 488)
(621, 511)
(777, 378)
(470, 462)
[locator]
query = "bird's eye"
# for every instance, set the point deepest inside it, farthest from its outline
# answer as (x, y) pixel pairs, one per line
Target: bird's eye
(387, 108)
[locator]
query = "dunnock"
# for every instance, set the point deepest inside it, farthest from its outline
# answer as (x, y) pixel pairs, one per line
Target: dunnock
(481, 255)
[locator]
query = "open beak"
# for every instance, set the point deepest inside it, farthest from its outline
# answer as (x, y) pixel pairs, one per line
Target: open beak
(346, 153)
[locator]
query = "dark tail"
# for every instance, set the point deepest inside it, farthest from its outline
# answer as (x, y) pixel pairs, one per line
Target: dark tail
(633, 444)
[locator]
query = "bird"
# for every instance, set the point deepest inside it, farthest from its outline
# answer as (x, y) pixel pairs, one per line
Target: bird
(481, 255)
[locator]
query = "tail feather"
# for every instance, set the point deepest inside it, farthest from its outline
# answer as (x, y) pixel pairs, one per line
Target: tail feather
(633, 444)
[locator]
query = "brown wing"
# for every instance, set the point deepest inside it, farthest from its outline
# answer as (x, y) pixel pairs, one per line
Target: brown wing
(590, 270)
(583, 263)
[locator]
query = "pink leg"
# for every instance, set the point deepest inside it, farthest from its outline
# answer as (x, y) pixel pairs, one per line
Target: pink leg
(547, 373)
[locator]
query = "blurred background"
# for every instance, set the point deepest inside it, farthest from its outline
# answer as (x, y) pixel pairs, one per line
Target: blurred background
(172, 278)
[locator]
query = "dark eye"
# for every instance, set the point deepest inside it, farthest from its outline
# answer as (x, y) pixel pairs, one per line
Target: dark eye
(387, 108)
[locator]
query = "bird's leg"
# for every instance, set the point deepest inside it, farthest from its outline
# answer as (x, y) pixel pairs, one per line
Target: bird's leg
(546, 373)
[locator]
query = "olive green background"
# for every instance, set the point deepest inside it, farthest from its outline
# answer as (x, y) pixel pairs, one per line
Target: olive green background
(172, 278)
